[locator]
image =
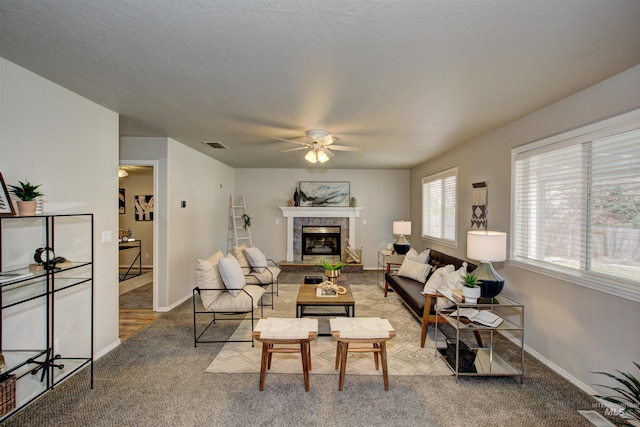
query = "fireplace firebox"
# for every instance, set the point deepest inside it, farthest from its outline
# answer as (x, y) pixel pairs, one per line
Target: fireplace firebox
(320, 241)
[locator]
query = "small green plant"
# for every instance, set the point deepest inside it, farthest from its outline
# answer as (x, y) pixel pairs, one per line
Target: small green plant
(246, 219)
(25, 191)
(629, 395)
(470, 281)
(337, 266)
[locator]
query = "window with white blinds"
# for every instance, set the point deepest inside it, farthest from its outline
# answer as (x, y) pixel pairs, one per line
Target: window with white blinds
(576, 207)
(439, 210)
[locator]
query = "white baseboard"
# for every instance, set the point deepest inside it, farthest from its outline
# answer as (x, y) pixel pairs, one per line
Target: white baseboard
(557, 369)
(174, 305)
(106, 349)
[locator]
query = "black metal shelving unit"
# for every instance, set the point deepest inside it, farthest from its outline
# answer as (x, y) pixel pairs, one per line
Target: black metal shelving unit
(32, 357)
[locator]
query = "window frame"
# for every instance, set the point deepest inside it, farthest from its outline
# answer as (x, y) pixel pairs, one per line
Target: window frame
(429, 179)
(598, 281)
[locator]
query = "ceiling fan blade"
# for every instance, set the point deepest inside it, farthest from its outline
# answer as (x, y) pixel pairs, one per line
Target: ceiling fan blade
(328, 140)
(344, 148)
(291, 140)
(294, 149)
(329, 152)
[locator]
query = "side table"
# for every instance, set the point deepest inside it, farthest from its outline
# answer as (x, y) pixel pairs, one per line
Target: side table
(482, 360)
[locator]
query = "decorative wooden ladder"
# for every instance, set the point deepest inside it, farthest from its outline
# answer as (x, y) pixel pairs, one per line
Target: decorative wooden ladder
(241, 234)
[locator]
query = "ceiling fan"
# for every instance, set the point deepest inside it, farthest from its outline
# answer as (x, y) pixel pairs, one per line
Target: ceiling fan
(320, 145)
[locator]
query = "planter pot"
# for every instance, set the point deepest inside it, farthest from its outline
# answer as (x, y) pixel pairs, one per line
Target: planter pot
(27, 208)
(332, 274)
(471, 295)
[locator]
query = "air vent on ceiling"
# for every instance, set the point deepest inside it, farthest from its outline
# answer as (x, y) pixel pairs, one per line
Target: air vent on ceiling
(215, 144)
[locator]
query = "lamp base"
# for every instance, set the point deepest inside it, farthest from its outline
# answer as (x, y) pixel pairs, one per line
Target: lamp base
(492, 283)
(401, 249)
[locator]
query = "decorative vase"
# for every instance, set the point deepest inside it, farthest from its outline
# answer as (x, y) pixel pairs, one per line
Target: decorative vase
(471, 295)
(332, 274)
(296, 198)
(27, 208)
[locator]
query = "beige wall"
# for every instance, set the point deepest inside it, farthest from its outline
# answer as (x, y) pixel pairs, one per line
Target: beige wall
(69, 144)
(384, 194)
(570, 327)
(182, 235)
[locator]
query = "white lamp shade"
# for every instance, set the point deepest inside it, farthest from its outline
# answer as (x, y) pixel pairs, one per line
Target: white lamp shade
(311, 156)
(489, 246)
(402, 227)
(322, 156)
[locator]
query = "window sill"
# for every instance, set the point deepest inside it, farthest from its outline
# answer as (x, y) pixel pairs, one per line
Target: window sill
(447, 243)
(619, 288)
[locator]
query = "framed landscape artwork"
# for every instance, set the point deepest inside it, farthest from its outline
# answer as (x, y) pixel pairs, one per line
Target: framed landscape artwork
(324, 193)
(6, 207)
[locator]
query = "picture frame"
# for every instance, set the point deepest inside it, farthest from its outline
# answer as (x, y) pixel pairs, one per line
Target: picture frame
(121, 201)
(143, 208)
(6, 205)
(324, 193)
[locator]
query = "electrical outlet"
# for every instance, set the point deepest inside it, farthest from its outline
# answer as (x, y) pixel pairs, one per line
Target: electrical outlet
(56, 346)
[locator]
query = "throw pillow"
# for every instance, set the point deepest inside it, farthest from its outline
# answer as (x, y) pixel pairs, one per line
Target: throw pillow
(232, 275)
(208, 277)
(256, 259)
(436, 279)
(422, 257)
(414, 270)
(238, 252)
(451, 281)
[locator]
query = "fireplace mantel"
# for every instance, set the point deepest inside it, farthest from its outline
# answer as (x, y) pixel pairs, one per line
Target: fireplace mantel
(323, 212)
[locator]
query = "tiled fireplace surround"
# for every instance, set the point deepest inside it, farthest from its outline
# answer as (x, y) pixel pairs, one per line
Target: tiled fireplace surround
(322, 215)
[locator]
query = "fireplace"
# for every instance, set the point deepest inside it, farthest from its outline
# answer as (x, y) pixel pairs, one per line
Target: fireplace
(318, 216)
(321, 241)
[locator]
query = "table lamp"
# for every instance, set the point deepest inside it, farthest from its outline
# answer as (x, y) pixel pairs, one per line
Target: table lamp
(401, 246)
(487, 247)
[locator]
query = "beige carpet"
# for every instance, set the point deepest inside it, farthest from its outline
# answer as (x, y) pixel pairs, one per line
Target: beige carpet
(405, 357)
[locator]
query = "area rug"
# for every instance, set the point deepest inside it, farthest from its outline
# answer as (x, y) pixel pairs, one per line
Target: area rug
(405, 357)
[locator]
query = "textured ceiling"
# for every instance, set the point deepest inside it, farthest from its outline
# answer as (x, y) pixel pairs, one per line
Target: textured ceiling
(403, 80)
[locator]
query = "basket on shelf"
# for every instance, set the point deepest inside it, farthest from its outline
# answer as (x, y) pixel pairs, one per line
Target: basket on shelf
(7, 394)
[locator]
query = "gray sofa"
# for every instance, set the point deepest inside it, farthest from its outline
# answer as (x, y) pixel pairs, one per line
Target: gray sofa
(410, 291)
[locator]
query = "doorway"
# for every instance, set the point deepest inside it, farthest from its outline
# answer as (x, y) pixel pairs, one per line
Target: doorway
(136, 247)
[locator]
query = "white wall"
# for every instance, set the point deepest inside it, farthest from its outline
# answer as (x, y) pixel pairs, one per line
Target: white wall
(53, 137)
(183, 235)
(575, 328)
(200, 229)
(384, 194)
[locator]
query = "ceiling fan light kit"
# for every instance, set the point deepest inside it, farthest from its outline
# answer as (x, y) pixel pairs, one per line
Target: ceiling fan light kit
(319, 143)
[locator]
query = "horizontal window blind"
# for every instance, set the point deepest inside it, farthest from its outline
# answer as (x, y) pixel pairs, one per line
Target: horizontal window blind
(439, 210)
(577, 207)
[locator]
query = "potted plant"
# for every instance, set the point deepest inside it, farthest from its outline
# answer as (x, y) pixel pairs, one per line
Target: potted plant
(332, 271)
(628, 398)
(246, 220)
(470, 288)
(27, 194)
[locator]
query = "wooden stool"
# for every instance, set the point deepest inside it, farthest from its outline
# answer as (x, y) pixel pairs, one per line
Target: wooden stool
(274, 331)
(362, 330)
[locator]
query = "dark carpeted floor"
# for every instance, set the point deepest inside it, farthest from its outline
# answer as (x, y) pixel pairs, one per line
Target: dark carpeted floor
(157, 378)
(139, 298)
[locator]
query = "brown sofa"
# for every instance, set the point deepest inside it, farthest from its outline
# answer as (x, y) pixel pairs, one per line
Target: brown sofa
(410, 291)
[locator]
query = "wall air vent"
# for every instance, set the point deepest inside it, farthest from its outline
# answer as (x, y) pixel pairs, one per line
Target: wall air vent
(215, 144)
